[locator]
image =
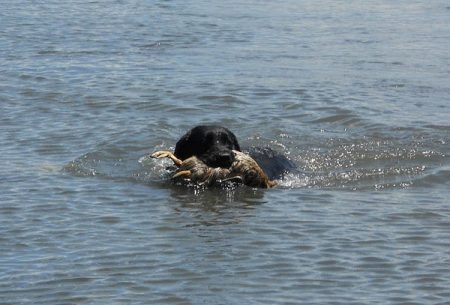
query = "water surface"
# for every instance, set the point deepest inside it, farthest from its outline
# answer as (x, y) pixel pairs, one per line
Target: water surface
(355, 94)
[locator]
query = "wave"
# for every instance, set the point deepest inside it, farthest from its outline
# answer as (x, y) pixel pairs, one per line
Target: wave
(368, 163)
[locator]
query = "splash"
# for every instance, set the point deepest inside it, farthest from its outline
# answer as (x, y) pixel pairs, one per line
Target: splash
(368, 163)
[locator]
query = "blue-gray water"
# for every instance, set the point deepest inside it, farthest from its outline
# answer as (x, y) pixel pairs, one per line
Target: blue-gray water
(355, 93)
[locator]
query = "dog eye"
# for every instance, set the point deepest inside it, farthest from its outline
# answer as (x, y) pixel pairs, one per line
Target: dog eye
(223, 138)
(210, 139)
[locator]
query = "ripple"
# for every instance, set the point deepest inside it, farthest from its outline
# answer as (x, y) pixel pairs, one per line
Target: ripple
(341, 119)
(439, 176)
(358, 164)
(228, 99)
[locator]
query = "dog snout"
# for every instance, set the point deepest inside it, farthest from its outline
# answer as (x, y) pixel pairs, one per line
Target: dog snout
(225, 159)
(218, 157)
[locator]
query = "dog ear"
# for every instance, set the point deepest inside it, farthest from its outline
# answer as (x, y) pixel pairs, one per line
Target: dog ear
(235, 142)
(181, 146)
(186, 146)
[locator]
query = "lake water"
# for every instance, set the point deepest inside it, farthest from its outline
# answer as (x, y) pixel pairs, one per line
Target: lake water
(355, 93)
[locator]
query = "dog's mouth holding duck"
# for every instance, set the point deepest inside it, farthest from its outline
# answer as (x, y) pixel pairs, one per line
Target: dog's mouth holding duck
(209, 155)
(243, 170)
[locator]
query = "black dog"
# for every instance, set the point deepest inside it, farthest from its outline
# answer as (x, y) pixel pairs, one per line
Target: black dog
(211, 144)
(214, 144)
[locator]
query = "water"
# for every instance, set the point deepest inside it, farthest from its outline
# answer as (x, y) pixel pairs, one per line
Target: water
(354, 93)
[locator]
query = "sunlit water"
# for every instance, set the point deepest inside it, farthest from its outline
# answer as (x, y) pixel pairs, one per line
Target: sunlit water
(356, 94)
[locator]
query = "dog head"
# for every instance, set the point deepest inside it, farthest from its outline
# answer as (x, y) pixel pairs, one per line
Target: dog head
(211, 144)
(218, 148)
